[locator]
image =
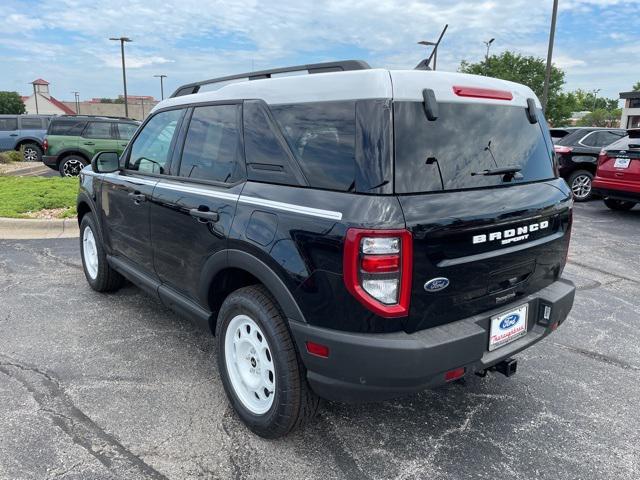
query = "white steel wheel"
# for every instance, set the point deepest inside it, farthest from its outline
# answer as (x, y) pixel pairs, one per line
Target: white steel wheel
(250, 364)
(90, 252)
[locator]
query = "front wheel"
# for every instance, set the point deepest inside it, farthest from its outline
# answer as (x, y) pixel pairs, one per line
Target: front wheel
(71, 166)
(580, 183)
(620, 205)
(259, 366)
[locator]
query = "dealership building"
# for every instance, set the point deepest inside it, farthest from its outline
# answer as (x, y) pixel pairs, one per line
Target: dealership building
(631, 112)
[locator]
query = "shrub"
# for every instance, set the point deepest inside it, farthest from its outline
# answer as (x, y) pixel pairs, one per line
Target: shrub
(11, 156)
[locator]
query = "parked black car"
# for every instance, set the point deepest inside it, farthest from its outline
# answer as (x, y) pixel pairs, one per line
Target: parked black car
(354, 233)
(577, 154)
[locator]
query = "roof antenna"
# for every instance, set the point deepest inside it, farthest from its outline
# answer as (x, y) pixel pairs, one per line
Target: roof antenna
(425, 64)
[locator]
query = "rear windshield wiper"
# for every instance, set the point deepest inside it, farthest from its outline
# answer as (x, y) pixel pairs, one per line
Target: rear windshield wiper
(507, 172)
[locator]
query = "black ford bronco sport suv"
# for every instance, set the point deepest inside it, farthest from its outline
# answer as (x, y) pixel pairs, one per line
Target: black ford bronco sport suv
(353, 233)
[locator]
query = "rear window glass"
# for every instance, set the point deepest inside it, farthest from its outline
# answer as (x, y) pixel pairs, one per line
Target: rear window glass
(66, 127)
(7, 124)
(322, 137)
(466, 139)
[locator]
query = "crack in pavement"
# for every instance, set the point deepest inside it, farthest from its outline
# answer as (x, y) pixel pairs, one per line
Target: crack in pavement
(601, 270)
(83, 431)
(345, 462)
(599, 357)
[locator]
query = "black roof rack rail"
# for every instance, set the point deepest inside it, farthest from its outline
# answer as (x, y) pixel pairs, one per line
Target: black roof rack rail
(97, 116)
(340, 66)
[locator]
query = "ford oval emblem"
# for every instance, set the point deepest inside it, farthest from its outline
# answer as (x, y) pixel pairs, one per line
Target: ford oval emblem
(436, 284)
(509, 321)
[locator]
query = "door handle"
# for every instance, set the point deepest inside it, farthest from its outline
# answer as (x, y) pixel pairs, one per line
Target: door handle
(204, 216)
(13, 134)
(89, 143)
(137, 197)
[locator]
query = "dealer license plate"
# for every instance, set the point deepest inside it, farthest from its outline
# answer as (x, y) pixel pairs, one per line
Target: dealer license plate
(622, 163)
(508, 326)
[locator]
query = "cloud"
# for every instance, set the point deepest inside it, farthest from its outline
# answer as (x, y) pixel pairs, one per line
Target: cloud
(192, 39)
(114, 61)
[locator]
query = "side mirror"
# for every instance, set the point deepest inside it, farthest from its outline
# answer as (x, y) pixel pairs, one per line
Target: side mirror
(105, 162)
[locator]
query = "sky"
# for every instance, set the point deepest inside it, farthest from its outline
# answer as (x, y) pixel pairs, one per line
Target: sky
(67, 41)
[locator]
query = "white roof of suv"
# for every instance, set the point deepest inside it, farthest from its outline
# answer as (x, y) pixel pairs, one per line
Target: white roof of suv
(360, 84)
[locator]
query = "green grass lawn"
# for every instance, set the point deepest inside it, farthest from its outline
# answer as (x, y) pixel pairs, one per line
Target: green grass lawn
(19, 195)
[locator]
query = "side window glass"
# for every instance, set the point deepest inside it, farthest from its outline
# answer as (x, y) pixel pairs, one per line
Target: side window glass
(212, 145)
(609, 137)
(267, 159)
(322, 137)
(7, 124)
(126, 130)
(30, 123)
(97, 130)
(151, 148)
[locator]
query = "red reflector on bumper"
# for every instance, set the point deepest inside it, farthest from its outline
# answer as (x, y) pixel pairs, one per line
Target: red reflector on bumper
(317, 349)
(454, 374)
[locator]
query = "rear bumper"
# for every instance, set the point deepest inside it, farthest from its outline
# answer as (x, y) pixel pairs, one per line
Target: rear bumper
(619, 190)
(50, 161)
(373, 367)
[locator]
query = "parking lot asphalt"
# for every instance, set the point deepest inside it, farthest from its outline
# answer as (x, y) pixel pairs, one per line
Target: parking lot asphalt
(97, 386)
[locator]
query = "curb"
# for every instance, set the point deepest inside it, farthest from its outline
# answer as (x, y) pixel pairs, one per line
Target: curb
(26, 228)
(27, 170)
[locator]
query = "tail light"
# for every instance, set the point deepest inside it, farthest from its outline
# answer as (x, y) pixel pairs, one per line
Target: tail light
(45, 145)
(377, 269)
(482, 93)
(602, 158)
(561, 149)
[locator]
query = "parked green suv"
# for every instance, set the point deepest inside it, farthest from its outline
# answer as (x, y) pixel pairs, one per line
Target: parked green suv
(72, 141)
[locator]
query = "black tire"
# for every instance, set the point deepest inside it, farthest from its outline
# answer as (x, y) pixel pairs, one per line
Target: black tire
(31, 152)
(619, 205)
(294, 402)
(71, 165)
(106, 279)
(580, 184)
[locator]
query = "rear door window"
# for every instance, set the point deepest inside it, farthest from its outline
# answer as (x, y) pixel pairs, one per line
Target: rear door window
(322, 137)
(213, 144)
(98, 130)
(31, 123)
(451, 152)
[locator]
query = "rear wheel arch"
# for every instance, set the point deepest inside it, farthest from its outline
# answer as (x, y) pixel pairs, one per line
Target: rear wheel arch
(230, 270)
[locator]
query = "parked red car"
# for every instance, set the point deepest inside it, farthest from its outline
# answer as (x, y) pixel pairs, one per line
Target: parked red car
(618, 175)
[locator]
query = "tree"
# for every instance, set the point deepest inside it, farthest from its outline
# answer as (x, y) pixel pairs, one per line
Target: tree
(529, 71)
(636, 87)
(11, 103)
(601, 117)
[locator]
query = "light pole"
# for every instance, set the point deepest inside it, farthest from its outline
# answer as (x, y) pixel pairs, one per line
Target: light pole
(161, 77)
(595, 97)
(547, 75)
(76, 96)
(124, 74)
(35, 96)
(488, 44)
(434, 54)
